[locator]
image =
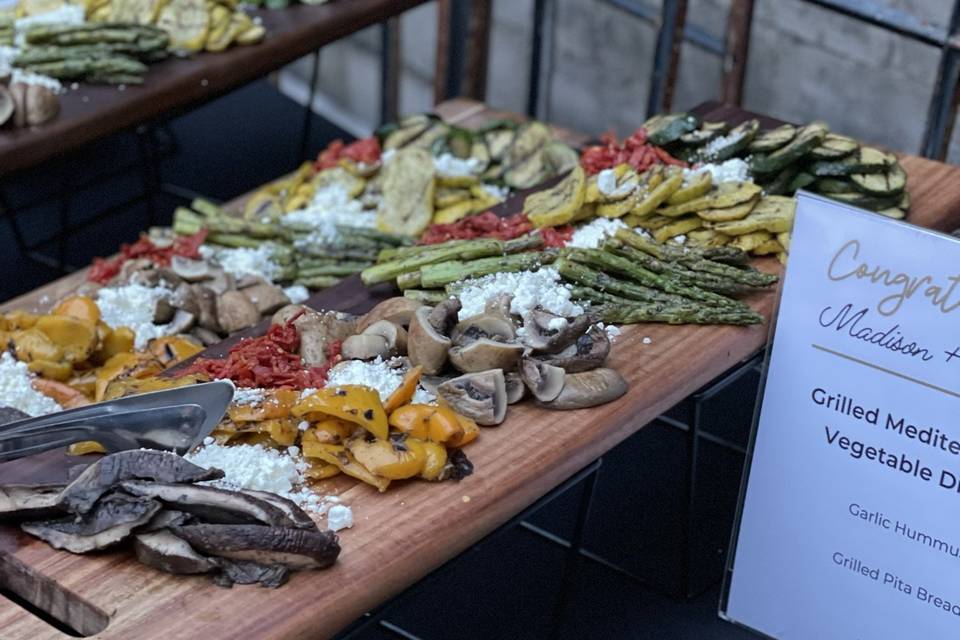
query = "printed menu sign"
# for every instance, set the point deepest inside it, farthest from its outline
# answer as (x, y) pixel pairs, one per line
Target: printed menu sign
(850, 519)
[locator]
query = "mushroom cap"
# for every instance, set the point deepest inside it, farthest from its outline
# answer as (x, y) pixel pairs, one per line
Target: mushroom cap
(548, 332)
(294, 548)
(484, 354)
(515, 387)
(545, 381)
(481, 396)
(590, 350)
(398, 310)
(393, 333)
(364, 346)
(588, 389)
(43, 105)
(426, 347)
(483, 325)
(191, 270)
(6, 105)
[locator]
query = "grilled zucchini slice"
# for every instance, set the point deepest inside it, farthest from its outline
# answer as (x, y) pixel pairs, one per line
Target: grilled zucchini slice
(558, 204)
(866, 160)
(834, 147)
(806, 139)
(408, 188)
(891, 183)
(667, 128)
(707, 132)
(737, 140)
(773, 139)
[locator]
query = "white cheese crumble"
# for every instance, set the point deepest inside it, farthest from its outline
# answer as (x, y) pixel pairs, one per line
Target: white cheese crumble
(253, 466)
(244, 261)
(339, 517)
(132, 306)
(500, 193)
(449, 165)
(331, 206)
(732, 170)
(607, 182)
(613, 332)
(592, 234)
(297, 293)
(17, 392)
(248, 395)
(383, 376)
(714, 146)
(529, 289)
(647, 340)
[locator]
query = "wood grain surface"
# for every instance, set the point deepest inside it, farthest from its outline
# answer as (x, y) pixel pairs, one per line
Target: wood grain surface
(402, 535)
(94, 111)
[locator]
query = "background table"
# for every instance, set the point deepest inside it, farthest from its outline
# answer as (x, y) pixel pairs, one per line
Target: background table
(402, 535)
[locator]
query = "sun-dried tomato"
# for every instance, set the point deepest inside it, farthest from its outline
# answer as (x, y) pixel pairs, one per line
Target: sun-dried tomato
(634, 151)
(557, 237)
(365, 150)
(484, 225)
(269, 361)
(105, 269)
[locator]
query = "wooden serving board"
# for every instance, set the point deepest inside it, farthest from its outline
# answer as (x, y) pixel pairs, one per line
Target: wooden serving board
(402, 535)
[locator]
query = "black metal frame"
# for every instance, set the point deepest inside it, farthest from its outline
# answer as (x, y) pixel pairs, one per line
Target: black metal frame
(669, 17)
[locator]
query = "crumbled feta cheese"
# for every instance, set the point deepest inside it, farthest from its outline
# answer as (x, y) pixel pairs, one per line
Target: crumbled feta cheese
(592, 234)
(248, 395)
(303, 425)
(387, 156)
(714, 146)
(733, 170)
(244, 260)
(28, 77)
(612, 331)
(607, 181)
(339, 517)
(680, 239)
(309, 391)
(17, 392)
(331, 206)
(297, 293)
(500, 193)
(422, 396)
(449, 165)
(557, 324)
(376, 374)
(252, 466)
(133, 306)
(647, 340)
(529, 289)
(208, 440)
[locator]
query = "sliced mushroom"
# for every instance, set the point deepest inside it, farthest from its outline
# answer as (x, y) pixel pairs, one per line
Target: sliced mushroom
(515, 387)
(481, 326)
(293, 548)
(244, 572)
(185, 297)
(207, 300)
(43, 105)
(398, 310)
(136, 464)
(364, 346)
(162, 311)
(588, 352)
(18, 92)
(588, 389)
(236, 312)
(549, 333)
(297, 515)
(109, 522)
(191, 270)
(444, 316)
(213, 505)
(318, 330)
(481, 396)
(393, 333)
(166, 518)
(245, 280)
(164, 551)
(181, 322)
(145, 277)
(544, 380)
(499, 306)
(484, 354)
(283, 314)
(266, 297)
(29, 502)
(426, 347)
(222, 282)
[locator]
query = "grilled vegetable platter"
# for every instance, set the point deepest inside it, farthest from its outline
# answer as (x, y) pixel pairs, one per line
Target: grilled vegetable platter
(514, 260)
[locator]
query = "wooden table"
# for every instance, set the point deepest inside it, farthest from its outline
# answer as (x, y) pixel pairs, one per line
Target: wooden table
(94, 111)
(402, 535)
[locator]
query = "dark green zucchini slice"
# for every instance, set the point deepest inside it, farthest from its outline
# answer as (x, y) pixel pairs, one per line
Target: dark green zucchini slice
(893, 212)
(528, 173)
(834, 147)
(866, 160)
(406, 131)
(891, 183)
(498, 141)
(530, 138)
(832, 185)
(773, 139)
(725, 147)
(864, 201)
(667, 128)
(806, 139)
(801, 181)
(778, 184)
(559, 158)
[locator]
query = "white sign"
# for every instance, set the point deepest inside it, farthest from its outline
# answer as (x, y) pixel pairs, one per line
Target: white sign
(850, 520)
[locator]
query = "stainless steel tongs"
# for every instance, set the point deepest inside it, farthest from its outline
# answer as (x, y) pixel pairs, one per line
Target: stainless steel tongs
(173, 419)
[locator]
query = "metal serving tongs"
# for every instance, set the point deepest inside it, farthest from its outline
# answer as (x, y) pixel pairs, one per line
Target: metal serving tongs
(173, 419)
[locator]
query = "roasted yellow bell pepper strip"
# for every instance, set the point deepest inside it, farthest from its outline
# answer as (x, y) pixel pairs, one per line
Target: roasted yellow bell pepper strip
(329, 431)
(115, 367)
(33, 344)
(413, 420)
(283, 431)
(77, 338)
(444, 425)
(404, 393)
(172, 349)
(435, 461)
(321, 470)
(470, 432)
(53, 370)
(113, 341)
(20, 320)
(353, 403)
(349, 465)
(80, 307)
(277, 403)
(391, 459)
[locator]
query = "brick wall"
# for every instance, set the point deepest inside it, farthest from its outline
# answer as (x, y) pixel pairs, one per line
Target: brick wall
(805, 63)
